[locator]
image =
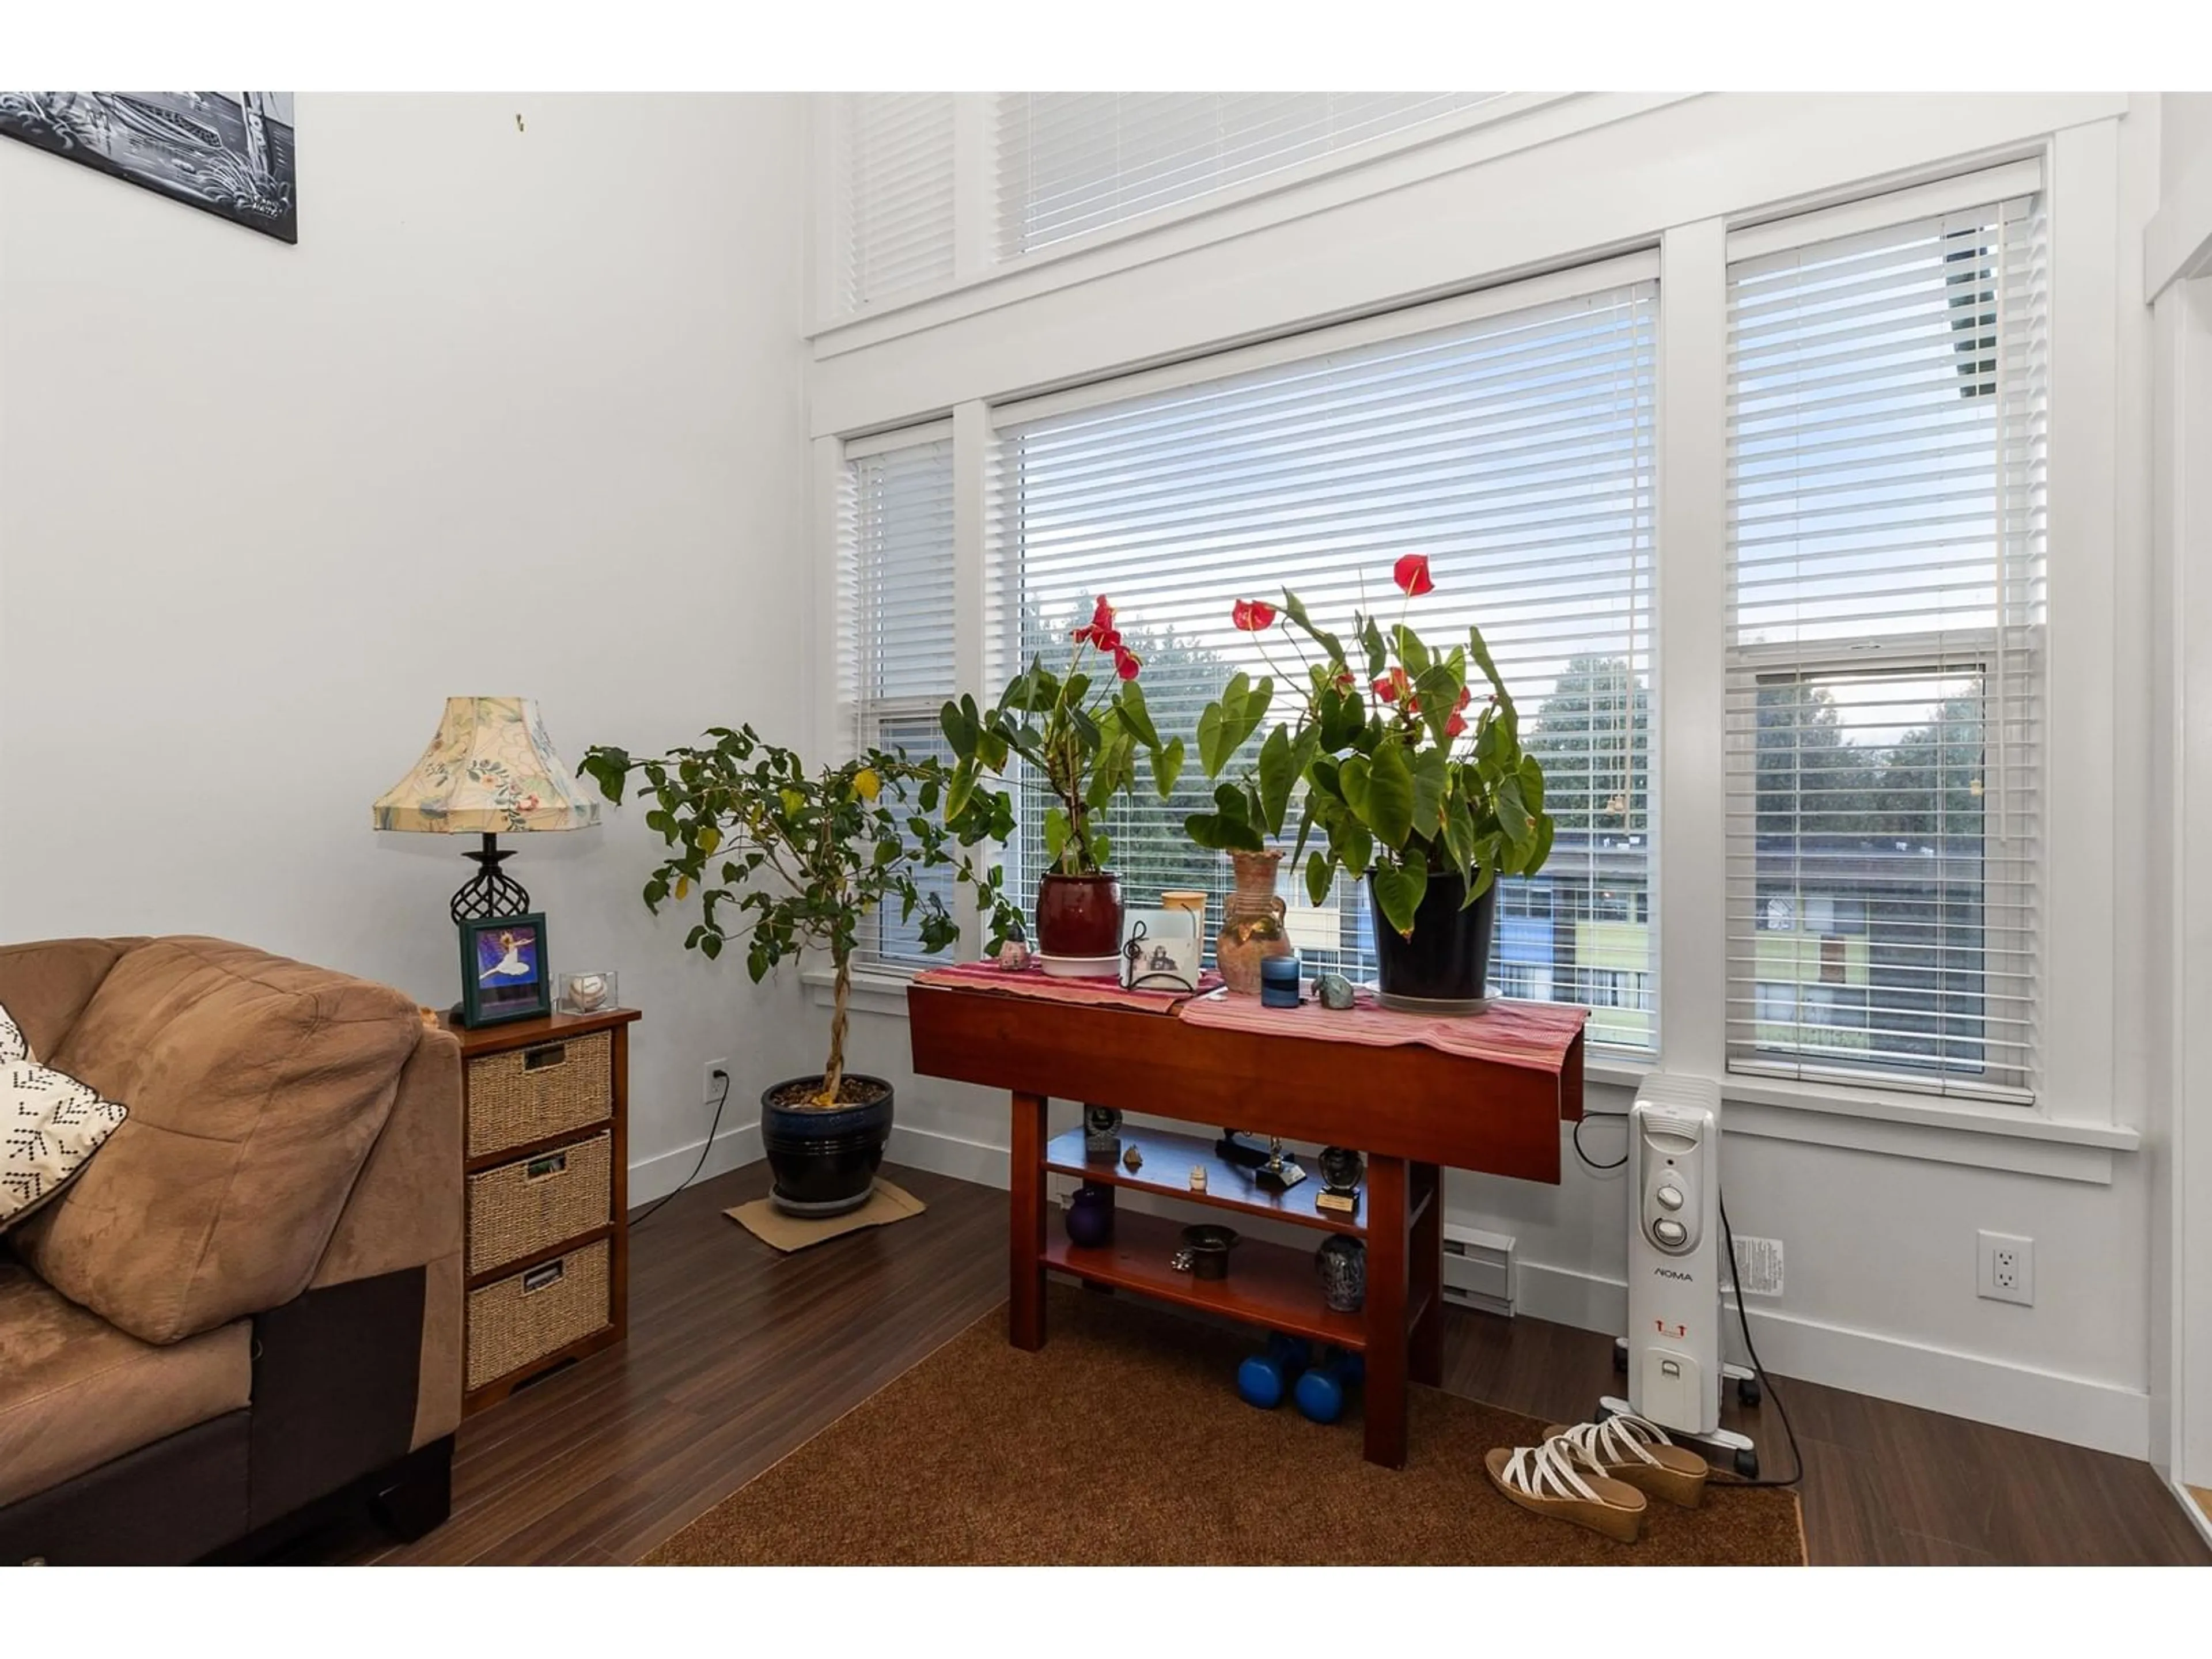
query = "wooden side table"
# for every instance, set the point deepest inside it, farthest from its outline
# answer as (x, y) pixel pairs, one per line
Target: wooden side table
(545, 1162)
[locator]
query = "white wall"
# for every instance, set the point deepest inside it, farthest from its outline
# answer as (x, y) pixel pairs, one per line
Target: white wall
(522, 413)
(1877, 1216)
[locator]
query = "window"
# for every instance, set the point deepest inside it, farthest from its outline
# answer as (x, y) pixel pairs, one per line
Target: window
(895, 597)
(895, 193)
(1887, 412)
(1070, 162)
(1510, 438)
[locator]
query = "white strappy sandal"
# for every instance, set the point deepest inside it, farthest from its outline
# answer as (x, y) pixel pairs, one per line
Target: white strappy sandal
(1636, 1451)
(1543, 1480)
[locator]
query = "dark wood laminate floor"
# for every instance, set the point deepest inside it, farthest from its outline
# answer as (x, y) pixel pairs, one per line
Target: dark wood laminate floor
(736, 1355)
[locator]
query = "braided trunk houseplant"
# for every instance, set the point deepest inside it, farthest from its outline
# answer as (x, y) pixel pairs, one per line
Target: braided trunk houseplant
(783, 860)
(1401, 780)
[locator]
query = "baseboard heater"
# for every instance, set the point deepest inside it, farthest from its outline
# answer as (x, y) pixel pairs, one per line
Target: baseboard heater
(1478, 1270)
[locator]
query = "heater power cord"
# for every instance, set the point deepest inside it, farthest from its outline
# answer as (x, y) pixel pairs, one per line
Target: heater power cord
(714, 1129)
(1743, 1320)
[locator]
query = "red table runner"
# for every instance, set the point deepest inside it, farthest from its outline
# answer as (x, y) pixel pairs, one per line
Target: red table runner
(1535, 1033)
(1034, 982)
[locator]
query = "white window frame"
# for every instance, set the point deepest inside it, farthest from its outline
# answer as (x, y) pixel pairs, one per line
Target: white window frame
(1010, 336)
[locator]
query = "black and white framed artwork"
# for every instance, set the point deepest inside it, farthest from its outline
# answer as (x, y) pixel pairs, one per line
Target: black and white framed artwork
(229, 153)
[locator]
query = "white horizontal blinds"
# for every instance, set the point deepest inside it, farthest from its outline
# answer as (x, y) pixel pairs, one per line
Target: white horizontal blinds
(896, 158)
(1070, 162)
(1514, 449)
(1887, 420)
(899, 625)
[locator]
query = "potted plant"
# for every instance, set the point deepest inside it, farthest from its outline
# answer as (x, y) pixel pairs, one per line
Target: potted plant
(1430, 803)
(784, 860)
(1081, 730)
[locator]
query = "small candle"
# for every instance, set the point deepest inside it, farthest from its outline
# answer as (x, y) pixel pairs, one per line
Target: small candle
(1278, 982)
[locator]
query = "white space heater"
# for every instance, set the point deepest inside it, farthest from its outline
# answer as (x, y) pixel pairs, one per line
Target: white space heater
(1677, 1266)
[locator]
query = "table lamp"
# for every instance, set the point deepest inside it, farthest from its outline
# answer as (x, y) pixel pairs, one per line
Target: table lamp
(490, 770)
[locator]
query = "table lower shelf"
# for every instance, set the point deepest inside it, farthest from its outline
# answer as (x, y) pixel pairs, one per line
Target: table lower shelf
(1270, 1285)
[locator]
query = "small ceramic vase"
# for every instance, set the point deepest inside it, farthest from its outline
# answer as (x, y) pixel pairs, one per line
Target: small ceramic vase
(1090, 1216)
(1252, 928)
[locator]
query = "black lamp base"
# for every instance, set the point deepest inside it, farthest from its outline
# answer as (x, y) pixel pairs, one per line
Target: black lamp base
(491, 891)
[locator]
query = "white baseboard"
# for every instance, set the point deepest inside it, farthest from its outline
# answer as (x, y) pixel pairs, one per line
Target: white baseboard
(657, 1177)
(2079, 1410)
(948, 1155)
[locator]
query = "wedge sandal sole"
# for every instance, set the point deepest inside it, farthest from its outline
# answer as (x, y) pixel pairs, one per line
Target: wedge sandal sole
(1618, 1514)
(1678, 1477)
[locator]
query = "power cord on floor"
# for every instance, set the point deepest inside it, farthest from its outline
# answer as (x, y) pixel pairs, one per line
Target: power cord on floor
(1766, 1383)
(720, 1101)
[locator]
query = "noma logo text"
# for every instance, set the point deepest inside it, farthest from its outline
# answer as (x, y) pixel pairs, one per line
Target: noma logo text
(1668, 1272)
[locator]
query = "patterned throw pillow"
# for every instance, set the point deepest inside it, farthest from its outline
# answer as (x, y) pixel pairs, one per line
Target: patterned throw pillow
(14, 1045)
(50, 1126)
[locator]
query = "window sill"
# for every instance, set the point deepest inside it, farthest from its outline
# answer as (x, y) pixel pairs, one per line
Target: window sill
(1937, 1130)
(879, 991)
(2009, 1137)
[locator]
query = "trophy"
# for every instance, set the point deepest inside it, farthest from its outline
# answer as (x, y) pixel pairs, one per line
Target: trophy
(1101, 1134)
(1278, 1174)
(1340, 1170)
(1234, 1148)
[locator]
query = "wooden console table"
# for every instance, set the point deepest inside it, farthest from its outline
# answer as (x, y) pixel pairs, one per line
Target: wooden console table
(1410, 1109)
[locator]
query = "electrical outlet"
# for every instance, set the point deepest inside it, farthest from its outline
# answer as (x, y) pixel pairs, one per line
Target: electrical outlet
(711, 1086)
(2006, 1268)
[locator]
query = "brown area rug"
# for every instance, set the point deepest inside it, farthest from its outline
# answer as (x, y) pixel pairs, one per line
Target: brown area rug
(1123, 1442)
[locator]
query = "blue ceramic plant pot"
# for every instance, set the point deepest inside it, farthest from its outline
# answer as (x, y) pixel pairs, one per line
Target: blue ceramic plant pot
(825, 1161)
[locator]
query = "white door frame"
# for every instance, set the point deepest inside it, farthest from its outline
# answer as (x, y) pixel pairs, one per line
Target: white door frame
(2182, 803)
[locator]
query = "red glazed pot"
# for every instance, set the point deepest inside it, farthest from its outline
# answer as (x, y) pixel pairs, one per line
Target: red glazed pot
(1080, 915)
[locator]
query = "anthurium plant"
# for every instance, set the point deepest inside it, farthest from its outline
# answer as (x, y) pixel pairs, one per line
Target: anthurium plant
(1081, 728)
(782, 860)
(1399, 777)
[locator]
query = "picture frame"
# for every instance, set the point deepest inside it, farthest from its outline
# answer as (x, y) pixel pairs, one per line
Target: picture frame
(1161, 950)
(506, 971)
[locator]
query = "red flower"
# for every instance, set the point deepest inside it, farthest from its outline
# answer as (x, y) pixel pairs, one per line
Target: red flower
(1253, 616)
(1126, 663)
(1344, 681)
(1455, 726)
(1412, 575)
(1099, 631)
(1394, 687)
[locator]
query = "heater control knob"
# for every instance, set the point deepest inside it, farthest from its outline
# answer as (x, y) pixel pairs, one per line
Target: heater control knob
(1670, 1198)
(1670, 1232)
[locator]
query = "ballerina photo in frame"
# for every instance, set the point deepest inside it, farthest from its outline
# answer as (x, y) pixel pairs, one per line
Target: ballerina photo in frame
(504, 972)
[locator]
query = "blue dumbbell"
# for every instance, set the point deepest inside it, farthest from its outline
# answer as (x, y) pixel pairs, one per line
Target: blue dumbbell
(1265, 1378)
(1321, 1389)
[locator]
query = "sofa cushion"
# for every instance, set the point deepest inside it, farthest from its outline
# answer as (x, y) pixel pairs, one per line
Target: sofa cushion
(76, 1392)
(47, 984)
(14, 1046)
(50, 1126)
(256, 1087)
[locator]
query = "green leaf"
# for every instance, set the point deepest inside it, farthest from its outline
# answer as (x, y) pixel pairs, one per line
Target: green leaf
(1319, 873)
(1231, 799)
(1513, 817)
(1086, 729)
(959, 729)
(1167, 767)
(1055, 835)
(1076, 686)
(1220, 833)
(1136, 715)
(1459, 835)
(1437, 689)
(1398, 888)
(1481, 653)
(1390, 811)
(1378, 657)
(1430, 778)
(1342, 716)
(1353, 776)
(1411, 651)
(1294, 608)
(1278, 774)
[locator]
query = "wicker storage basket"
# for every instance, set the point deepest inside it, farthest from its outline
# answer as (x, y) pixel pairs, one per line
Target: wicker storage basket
(528, 1094)
(527, 1317)
(532, 1204)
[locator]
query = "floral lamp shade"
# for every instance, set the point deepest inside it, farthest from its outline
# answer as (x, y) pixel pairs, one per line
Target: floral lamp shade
(490, 770)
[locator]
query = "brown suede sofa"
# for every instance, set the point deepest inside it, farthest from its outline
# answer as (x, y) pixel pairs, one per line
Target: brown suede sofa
(246, 1310)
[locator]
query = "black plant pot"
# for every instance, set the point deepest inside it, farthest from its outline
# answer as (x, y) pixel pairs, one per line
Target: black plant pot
(1445, 968)
(824, 1162)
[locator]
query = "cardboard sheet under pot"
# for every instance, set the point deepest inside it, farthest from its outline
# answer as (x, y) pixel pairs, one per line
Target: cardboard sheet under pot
(825, 1160)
